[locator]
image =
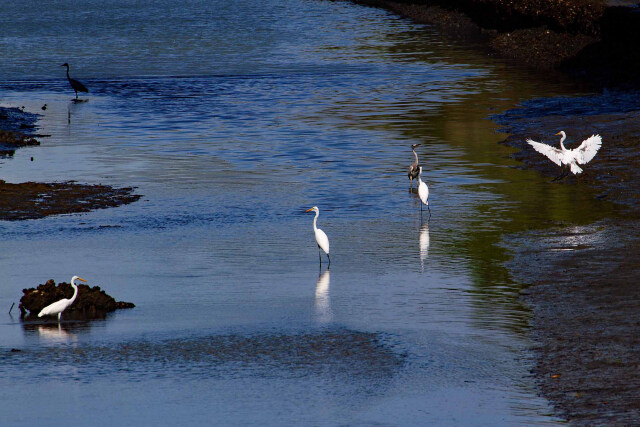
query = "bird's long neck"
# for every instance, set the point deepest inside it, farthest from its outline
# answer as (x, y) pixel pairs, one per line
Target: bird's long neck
(561, 142)
(68, 78)
(415, 154)
(75, 291)
(315, 219)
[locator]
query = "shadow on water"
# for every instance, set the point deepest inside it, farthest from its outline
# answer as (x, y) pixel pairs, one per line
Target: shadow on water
(354, 356)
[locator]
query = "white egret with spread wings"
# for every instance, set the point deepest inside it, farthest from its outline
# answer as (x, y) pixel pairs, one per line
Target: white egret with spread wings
(569, 159)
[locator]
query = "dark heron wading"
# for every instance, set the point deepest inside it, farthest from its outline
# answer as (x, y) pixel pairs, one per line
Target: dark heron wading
(413, 169)
(75, 85)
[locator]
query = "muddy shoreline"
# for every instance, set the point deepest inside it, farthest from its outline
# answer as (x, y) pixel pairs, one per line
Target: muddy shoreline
(593, 41)
(586, 301)
(33, 200)
(582, 280)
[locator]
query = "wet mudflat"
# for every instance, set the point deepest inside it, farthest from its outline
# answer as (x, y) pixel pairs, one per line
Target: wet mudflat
(585, 306)
(230, 142)
(30, 200)
(582, 303)
(584, 317)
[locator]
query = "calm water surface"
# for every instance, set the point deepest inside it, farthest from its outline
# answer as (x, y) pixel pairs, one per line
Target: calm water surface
(232, 118)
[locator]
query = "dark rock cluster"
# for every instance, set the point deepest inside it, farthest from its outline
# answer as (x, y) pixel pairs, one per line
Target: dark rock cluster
(91, 302)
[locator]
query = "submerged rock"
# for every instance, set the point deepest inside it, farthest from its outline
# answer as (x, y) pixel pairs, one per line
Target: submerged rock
(91, 302)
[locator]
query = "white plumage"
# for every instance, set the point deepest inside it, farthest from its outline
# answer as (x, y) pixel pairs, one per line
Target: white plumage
(59, 306)
(321, 238)
(571, 158)
(423, 192)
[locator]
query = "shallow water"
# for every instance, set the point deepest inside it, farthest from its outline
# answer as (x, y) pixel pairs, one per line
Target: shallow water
(232, 119)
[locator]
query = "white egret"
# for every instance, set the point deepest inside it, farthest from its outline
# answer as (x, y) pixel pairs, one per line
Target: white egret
(75, 85)
(321, 238)
(569, 159)
(423, 192)
(59, 306)
(413, 169)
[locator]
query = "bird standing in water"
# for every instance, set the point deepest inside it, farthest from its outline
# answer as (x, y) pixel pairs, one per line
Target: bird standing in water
(321, 238)
(423, 192)
(59, 306)
(569, 159)
(413, 169)
(75, 85)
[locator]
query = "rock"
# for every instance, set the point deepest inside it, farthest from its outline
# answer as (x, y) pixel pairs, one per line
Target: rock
(91, 302)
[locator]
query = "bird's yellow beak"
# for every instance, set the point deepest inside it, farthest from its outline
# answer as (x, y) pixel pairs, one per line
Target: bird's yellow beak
(558, 133)
(82, 280)
(309, 210)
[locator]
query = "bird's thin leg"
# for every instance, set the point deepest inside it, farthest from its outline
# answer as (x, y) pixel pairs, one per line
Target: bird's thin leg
(59, 315)
(429, 208)
(76, 94)
(565, 172)
(320, 256)
(329, 258)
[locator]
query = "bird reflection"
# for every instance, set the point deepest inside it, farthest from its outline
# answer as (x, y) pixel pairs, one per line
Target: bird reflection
(323, 301)
(55, 334)
(424, 244)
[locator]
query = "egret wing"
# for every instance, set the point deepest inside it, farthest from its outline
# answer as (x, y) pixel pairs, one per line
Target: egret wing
(423, 192)
(554, 154)
(588, 149)
(323, 240)
(75, 84)
(54, 308)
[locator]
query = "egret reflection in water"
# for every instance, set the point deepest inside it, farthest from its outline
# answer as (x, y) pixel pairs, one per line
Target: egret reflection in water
(323, 300)
(424, 244)
(55, 334)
